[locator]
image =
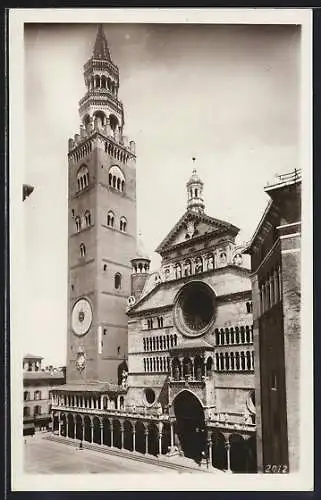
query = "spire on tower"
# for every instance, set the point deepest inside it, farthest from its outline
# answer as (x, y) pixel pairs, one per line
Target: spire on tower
(194, 186)
(101, 50)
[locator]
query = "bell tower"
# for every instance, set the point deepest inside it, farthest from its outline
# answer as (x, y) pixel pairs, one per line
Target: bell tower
(194, 187)
(102, 226)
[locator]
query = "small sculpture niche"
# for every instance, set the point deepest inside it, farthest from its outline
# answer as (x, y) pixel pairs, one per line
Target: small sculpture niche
(210, 262)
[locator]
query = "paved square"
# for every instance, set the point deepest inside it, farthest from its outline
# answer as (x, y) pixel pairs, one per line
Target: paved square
(42, 456)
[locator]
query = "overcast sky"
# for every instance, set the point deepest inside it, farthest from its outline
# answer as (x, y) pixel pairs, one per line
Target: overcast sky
(228, 95)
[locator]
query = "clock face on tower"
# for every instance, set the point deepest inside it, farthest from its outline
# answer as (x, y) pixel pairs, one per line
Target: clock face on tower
(81, 317)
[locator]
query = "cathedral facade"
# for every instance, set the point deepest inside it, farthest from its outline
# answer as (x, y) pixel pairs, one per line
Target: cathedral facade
(158, 363)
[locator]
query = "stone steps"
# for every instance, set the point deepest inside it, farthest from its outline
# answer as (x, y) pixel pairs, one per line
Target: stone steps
(170, 463)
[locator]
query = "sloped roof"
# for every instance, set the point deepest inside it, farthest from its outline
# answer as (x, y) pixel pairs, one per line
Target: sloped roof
(197, 343)
(90, 387)
(101, 50)
(216, 224)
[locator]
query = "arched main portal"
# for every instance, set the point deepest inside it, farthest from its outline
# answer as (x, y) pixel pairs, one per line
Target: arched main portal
(190, 424)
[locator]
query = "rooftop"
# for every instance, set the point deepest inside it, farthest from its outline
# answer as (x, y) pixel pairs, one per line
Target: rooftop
(31, 356)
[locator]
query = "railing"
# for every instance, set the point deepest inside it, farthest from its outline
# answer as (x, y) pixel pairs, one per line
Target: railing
(148, 414)
(188, 380)
(294, 176)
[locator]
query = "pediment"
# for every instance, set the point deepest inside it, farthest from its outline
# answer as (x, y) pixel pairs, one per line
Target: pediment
(194, 225)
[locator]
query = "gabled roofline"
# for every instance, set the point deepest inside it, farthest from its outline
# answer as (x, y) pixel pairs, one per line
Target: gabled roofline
(183, 279)
(199, 216)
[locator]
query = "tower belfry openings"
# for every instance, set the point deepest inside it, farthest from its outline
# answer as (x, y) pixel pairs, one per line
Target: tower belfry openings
(195, 201)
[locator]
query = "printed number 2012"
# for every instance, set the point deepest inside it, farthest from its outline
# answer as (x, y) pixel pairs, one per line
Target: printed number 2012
(276, 469)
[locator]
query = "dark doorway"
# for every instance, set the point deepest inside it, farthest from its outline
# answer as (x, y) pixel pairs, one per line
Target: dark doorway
(190, 425)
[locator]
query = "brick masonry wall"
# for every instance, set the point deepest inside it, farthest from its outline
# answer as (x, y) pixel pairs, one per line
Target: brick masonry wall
(108, 251)
(291, 295)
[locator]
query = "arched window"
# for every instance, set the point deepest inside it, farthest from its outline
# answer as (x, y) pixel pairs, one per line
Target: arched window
(103, 82)
(113, 122)
(110, 219)
(117, 281)
(178, 271)
(243, 361)
(198, 265)
(88, 218)
(82, 250)
(78, 224)
(248, 361)
(37, 395)
(26, 396)
(123, 224)
(217, 367)
(97, 81)
(187, 267)
(247, 335)
(82, 178)
(37, 410)
(116, 178)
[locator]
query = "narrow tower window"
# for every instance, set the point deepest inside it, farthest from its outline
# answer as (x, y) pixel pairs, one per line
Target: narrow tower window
(117, 281)
(82, 178)
(78, 224)
(116, 178)
(110, 219)
(88, 218)
(123, 224)
(82, 250)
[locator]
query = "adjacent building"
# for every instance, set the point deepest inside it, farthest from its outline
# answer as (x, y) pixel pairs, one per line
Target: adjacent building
(276, 283)
(37, 384)
(157, 363)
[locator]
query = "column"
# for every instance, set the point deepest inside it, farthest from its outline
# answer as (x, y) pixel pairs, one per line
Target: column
(228, 453)
(279, 283)
(172, 434)
(271, 285)
(146, 440)
(134, 438)
(210, 446)
(111, 434)
(101, 433)
(67, 427)
(193, 374)
(122, 434)
(59, 425)
(246, 438)
(160, 435)
(91, 431)
(82, 430)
